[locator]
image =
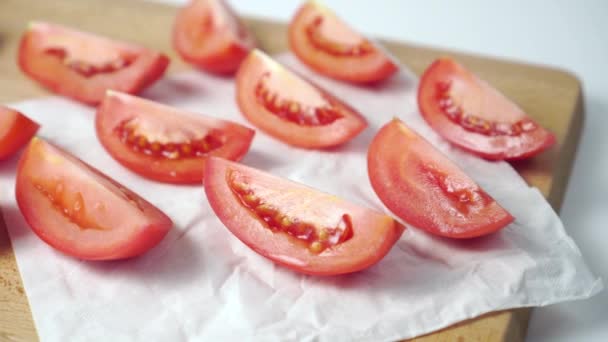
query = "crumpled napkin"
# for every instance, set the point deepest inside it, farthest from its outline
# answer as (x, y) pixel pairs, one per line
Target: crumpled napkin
(201, 283)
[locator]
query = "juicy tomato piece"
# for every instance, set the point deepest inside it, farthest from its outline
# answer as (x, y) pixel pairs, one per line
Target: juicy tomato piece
(15, 131)
(83, 66)
(80, 211)
(473, 115)
(208, 34)
(164, 143)
(328, 45)
(423, 187)
(292, 109)
(296, 226)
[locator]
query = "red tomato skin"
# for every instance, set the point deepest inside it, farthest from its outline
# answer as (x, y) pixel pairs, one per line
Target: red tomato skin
(60, 80)
(337, 133)
(373, 237)
(508, 148)
(223, 60)
(40, 219)
(376, 68)
(396, 147)
(226, 62)
(20, 129)
(188, 171)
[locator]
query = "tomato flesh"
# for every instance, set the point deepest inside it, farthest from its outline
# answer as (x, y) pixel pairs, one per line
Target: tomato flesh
(83, 66)
(423, 187)
(164, 143)
(292, 109)
(209, 35)
(15, 131)
(473, 115)
(325, 43)
(80, 211)
(296, 226)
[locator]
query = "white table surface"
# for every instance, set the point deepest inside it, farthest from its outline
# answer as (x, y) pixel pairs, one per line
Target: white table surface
(568, 34)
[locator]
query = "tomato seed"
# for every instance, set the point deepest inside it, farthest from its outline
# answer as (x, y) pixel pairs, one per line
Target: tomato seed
(186, 149)
(323, 235)
(155, 147)
(265, 210)
(241, 187)
(251, 200)
(316, 247)
(78, 204)
(527, 125)
(142, 142)
(294, 107)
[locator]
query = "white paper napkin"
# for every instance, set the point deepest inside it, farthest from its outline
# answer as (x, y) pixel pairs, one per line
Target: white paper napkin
(201, 283)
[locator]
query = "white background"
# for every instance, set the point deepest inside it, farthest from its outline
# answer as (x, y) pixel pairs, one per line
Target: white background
(569, 34)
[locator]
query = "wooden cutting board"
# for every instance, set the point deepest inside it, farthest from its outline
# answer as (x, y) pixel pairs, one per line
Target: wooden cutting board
(552, 97)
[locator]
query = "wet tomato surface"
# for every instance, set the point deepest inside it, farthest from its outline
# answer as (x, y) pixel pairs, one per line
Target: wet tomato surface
(292, 109)
(424, 188)
(296, 226)
(83, 66)
(329, 46)
(164, 143)
(80, 211)
(473, 115)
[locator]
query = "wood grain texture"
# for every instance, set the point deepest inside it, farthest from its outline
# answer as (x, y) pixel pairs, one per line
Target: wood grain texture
(552, 97)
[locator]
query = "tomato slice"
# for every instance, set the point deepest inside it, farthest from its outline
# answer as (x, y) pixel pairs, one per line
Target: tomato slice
(208, 34)
(83, 66)
(80, 211)
(16, 130)
(473, 115)
(326, 44)
(423, 187)
(292, 109)
(296, 226)
(164, 143)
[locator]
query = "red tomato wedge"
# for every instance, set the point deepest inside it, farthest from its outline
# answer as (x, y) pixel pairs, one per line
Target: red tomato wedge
(423, 187)
(15, 131)
(293, 225)
(471, 114)
(83, 66)
(164, 143)
(209, 35)
(80, 211)
(326, 44)
(292, 109)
